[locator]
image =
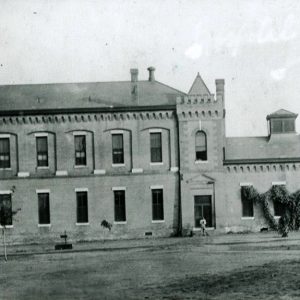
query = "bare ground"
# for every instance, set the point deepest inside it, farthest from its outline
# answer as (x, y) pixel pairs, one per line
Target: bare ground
(229, 268)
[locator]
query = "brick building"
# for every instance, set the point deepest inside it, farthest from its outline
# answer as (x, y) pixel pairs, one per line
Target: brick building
(143, 156)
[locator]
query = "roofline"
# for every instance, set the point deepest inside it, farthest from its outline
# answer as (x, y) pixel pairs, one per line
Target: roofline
(53, 111)
(282, 116)
(227, 162)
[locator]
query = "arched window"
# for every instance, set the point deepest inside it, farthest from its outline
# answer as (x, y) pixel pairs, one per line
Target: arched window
(201, 146)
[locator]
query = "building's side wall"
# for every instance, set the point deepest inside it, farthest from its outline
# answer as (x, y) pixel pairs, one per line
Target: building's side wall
(99, 175)
(261, 178)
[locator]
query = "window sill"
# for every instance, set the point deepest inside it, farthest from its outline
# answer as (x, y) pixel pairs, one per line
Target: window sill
(118, 165)
(158, 221)
(43, 168)
(44, 225)
(5, 169)
(156, 163)
(82, 224)
(7, 226)
(247, 218)
(80, 166)
(120, 222)
(201, 161)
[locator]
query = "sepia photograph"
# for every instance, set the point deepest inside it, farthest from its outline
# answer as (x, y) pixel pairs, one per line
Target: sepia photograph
(149, 149)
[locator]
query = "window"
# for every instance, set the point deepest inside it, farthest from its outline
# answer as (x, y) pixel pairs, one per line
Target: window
(4, 153)
(278, 209)
(44, 208)
(80, 150)
(155, 145)
(117, 149)
(201, 148)
(120, 209)
(157, 205)
(289, 125)
(283, 125)
(42, 151)
(247, 208)
(82, 207)
(5, 210)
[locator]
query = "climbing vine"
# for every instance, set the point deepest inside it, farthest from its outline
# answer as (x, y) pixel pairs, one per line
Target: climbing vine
(290, 220)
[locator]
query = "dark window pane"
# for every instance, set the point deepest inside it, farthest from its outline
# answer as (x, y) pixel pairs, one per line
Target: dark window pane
(4, 153)
(289, 125)
(42, 151)
(80, 150)
(5, 210)
(44, 208)
(157, 205)
(156, 148)
(276, 126)
(200, 145)
(279, 209)
(117, 149)
(82, 207)
(247, 208)
(120, 208)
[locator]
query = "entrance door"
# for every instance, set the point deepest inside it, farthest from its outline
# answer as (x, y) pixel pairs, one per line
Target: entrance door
(203, 208)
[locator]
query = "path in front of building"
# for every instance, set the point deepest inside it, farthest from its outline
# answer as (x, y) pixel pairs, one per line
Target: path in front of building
(170, 268)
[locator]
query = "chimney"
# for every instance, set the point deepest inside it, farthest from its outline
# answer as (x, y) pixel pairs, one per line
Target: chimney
(134, 75)
(220, 83)
(151, 74)
(134, 85)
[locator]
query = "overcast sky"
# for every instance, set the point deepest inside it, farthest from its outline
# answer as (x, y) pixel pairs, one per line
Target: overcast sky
(253, 45)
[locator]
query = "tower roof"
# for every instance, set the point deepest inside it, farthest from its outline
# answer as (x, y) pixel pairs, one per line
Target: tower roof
(199, 87)
(282, 113)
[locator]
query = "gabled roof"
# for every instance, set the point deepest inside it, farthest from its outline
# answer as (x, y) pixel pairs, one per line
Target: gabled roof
(282, 113)
(199, 87)
(85, 95)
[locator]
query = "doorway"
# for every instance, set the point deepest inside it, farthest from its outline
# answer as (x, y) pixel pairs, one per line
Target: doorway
(203, 208)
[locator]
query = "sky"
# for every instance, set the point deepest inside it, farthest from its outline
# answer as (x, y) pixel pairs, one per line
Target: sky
(254, 45)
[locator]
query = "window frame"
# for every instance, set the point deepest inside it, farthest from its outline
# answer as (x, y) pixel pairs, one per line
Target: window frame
(43, 153)
(8, 160)
(78, 159)
(42, 224)
(5, 193)
(117, 219)
(154, 150)
(117, 153)
(197, 152)
(84, 219)
(158, 213)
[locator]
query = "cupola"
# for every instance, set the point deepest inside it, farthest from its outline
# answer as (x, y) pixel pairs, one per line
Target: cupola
(281, 121)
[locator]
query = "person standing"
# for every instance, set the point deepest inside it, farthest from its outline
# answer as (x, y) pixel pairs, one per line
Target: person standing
(203, 226)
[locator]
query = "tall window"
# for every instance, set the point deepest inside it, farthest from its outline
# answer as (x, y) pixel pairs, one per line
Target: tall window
(5, 209)
(80, 150)
(247, 208)
(201, 147)
(155, 145)
(120, 208)
(4, 153)
(117, 149)
(82, 207)
(279, 209)
(42, 151)
(44, 208)
(157, 205)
